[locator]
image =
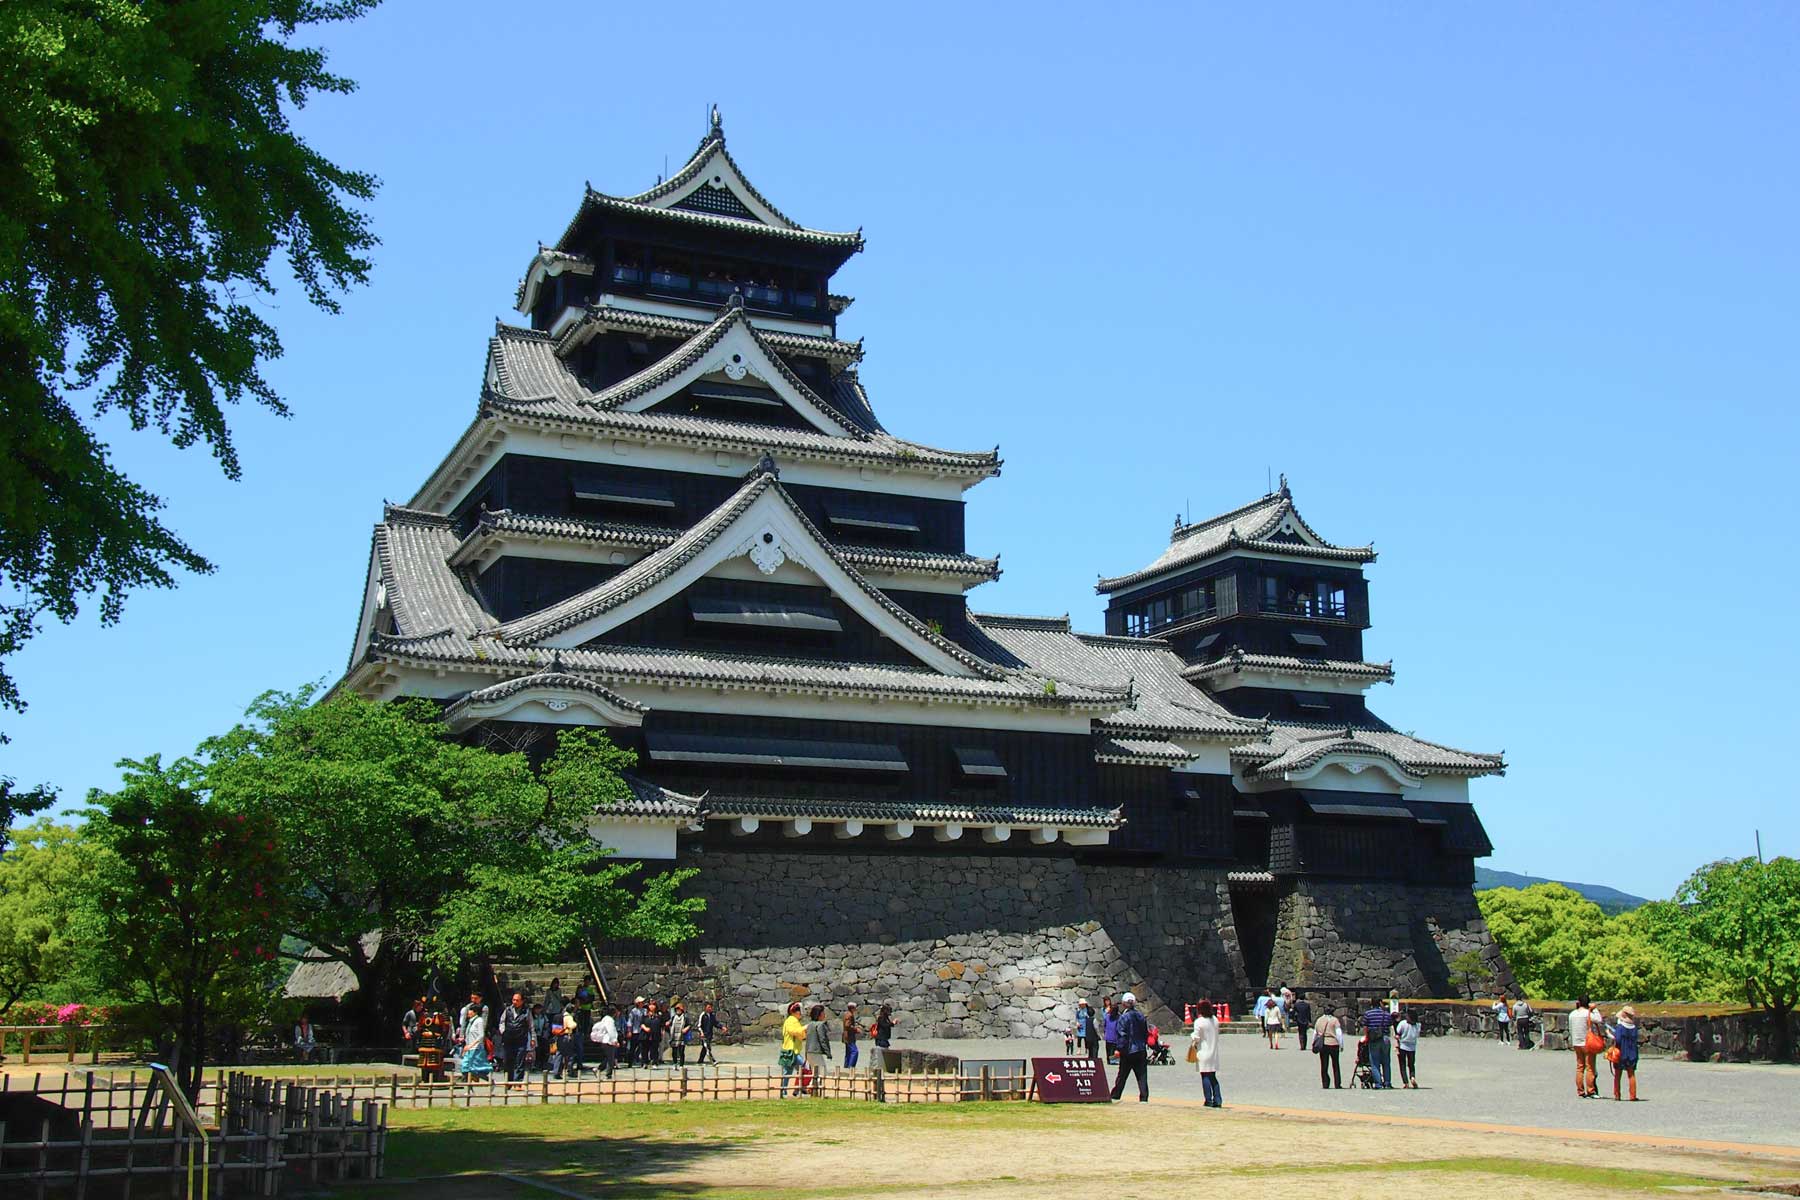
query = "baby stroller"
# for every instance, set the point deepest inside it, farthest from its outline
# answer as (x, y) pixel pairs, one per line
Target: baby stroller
(1364, 1074)
(1159, 1050)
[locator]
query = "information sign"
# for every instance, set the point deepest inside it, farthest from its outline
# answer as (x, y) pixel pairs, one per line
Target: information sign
(1070, 1080)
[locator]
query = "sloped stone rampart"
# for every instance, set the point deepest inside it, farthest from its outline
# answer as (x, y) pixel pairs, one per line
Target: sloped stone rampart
(969, 945)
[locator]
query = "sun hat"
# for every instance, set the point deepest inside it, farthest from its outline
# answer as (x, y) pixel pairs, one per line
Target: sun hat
(1128, 998)
(1628, 1013)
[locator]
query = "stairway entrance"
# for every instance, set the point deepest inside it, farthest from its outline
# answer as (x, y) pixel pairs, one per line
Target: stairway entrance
(1254, 913)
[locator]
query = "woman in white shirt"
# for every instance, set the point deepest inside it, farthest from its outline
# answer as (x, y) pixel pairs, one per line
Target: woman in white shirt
(1406, 1042)
(1206, 1053)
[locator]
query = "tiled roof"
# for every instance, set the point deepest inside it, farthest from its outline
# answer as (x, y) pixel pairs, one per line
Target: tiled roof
(424, 595)
(1237, 660)
(839, 303)
(1022, 816)
(656, 537)
(1246, 528)
(606, 316)
(526, 380)
(1290, 747)
(579, 264)
(659, 565)
(591, 199)
(533, 375)
(711, 146)
(1163, 703)
(649, 801)
(1132, 751)
(554, 678)
(1250, 877)
(755, 673)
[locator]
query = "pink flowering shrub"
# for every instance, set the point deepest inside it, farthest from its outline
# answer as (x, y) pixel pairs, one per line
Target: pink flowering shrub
(70, 1014)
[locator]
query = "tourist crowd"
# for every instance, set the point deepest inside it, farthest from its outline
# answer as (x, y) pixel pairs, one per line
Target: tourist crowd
(562, 1037)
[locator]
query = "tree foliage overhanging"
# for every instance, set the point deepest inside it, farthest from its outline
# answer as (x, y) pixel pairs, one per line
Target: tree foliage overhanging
(149, 177)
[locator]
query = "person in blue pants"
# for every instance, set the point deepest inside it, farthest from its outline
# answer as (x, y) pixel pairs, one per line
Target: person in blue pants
(1376, 1023)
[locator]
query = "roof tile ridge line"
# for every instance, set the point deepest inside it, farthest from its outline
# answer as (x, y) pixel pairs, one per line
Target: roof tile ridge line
(1499, 758)
(520, 333)
(408, 639)
(1325, 549)
(658, 373)
(1302, 522)
(1140, 729)
(613, 314)
(1023, 620)
(754, 438)
(403, 514)
(555, 671)
(646, 571)
(593, 195)
(506, 520)
(709, 145)
(1124, 641)
(1224, 715)
(1182, 531)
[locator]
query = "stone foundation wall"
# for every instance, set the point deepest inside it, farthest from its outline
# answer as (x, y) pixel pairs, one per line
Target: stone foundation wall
(1382, 936)
(971, 945)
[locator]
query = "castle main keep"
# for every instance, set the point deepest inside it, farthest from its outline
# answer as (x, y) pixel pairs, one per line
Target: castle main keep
(676, 516)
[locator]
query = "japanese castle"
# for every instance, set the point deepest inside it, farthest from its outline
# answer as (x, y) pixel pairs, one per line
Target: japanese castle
(677, 516)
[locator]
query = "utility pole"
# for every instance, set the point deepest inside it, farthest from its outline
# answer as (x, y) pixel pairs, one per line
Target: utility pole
(1759, 857)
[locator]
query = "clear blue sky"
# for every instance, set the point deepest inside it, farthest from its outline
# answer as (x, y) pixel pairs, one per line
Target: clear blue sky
(1511, 292)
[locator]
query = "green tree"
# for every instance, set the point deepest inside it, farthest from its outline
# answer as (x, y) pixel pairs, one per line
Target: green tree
(149, 176)
(405, 844)
(42, 880)
(1739, 921)
(1467, 970)
(1635, 957)
(186, 904)
(1546, 932)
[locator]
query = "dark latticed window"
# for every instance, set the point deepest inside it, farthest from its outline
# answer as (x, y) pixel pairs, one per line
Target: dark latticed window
(718, 201)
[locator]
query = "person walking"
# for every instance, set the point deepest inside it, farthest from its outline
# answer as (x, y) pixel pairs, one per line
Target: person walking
(515, 1037)
(474, 1063)
(1376, 1023)
(851, 1033)
(793, 1044)
(1406, 1046)
(678, 1034)
(709, 1029)
(1134, 1048)
(605, 1035)
(1109, 1028)
(1503, 1018)
(1302, 1017)
(1521, 1021)
(884, 1027)
(1328, 1041)
(1272, 1022)
(540, 1036)
(634, 1033)
(1581, 1033)
(818, 1048)
(1206, 1053)
(576, 1019)
(1624, 1052)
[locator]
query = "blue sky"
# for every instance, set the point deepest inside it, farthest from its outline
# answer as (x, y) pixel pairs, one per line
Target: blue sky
(1510, 291)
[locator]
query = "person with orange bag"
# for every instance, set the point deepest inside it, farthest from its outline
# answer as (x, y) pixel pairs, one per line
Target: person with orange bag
(1623, 1053)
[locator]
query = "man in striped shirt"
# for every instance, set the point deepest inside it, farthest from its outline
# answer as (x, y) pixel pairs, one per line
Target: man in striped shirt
(1376, 1022)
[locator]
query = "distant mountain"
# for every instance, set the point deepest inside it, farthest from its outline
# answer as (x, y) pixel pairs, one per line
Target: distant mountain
(1610, 899)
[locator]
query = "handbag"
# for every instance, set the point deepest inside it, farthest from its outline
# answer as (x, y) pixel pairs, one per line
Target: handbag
(1613, 1055)
(1595, 1043)
(1194, 1051)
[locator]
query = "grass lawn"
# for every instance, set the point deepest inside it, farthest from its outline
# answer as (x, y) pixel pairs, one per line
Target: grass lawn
(812, 1150)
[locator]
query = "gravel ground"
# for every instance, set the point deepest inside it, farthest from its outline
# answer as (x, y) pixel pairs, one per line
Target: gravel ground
(1465, 1079)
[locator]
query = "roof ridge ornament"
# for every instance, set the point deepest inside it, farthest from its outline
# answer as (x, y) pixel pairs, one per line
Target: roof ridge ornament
(718, 125)
(1284, 492)
(765, 466)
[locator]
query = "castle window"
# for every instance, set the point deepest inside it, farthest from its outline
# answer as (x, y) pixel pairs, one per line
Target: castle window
(1308, 639)
(764, 614)
(974, 760)
(862, 514)
(593, 488)
(1311, 702)
(774, 752)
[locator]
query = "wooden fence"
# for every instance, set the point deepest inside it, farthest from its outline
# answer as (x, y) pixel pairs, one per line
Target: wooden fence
(93, 1129)
(677, 1085)
(54, 1041)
